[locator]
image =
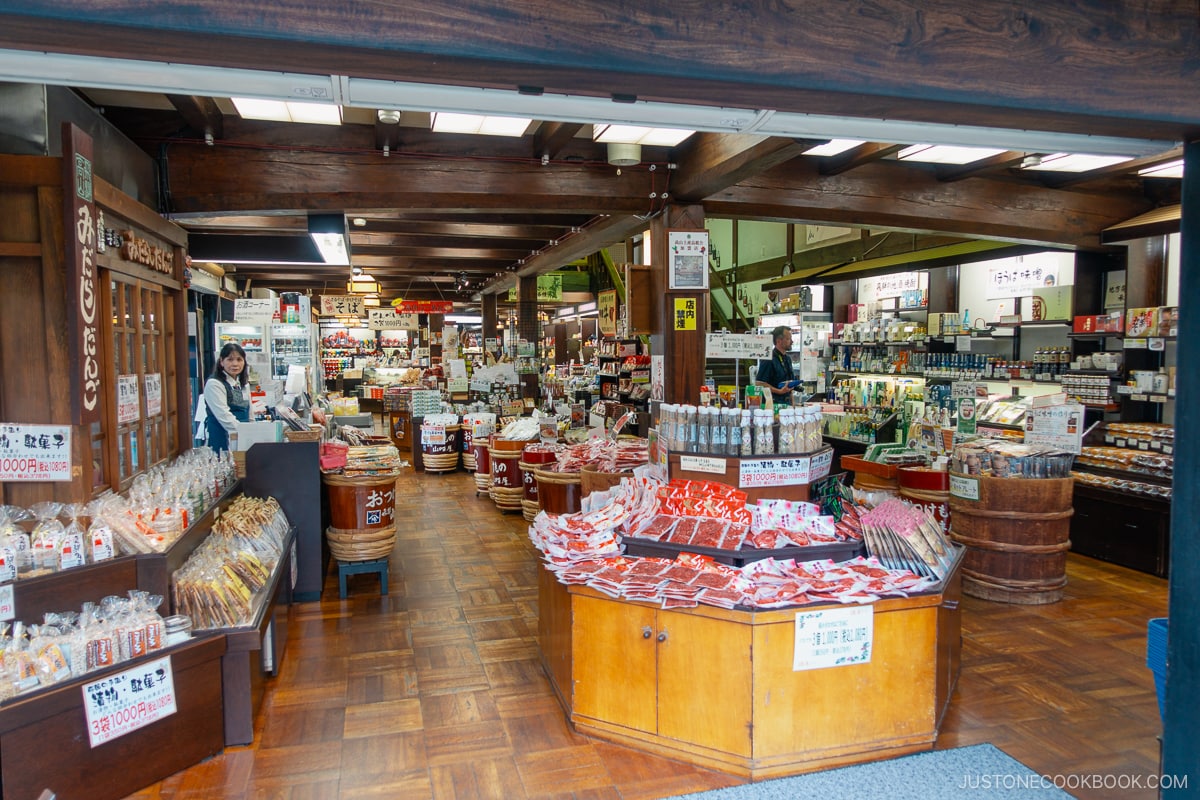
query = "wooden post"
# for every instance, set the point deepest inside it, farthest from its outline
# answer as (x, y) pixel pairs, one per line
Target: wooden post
(682, 350)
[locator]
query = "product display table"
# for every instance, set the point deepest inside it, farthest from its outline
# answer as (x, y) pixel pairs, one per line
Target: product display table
(716, 687)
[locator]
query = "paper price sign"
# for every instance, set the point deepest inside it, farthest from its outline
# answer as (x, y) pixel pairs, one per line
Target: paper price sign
(834, 637)
(820, 464)
(8, 606)
(153, 394)
(737, 345)
(480, 385)
(128, 399)
(715, 466)
(433, 434)
(387, 319)
(456, 385)
(774, 472)
(35, 452)
(973, 389)
(135, 698)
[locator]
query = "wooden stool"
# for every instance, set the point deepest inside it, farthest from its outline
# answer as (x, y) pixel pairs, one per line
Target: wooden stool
(345, 568)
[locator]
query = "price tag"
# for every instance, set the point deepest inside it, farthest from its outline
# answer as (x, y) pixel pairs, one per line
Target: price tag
(714, 466)
(122, 703)
(965, 487)
(8, 605)
(774, 472)
(833, 637)
(433, 434)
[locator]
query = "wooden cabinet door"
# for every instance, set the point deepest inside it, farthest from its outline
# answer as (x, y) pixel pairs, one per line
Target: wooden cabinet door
(614, 662)
(704, 681)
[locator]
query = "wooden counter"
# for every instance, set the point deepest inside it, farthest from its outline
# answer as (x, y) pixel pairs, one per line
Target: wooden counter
(716, 688)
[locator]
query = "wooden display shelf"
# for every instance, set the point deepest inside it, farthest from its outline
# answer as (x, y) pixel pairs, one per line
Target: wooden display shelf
(716, 688)
(44, 736)
(733, 471)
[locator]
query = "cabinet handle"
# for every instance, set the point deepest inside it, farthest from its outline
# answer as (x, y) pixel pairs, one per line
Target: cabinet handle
(646, 632)
(662, 636)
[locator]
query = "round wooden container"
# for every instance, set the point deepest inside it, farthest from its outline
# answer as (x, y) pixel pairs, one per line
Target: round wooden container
(366, 503)
(507, 491)
(592, 480)
(441, 456)
(559, 492)
(468, 450)
(360, 545)
(1017, 538)
(481, 446)
(928, 487)
(535, 455)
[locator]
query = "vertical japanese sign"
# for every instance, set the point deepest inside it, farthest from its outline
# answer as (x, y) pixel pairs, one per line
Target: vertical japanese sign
(685, 313)
(79, 240)
(606, 302)
(687, 259)
(122, 703)
(35, 452)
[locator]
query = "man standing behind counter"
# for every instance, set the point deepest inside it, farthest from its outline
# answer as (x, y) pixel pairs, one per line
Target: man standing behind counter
(777, 372)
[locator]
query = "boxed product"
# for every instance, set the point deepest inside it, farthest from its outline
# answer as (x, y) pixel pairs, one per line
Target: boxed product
(1088, 323)
(1141, 322)
(1168, 320)
(1112, 322)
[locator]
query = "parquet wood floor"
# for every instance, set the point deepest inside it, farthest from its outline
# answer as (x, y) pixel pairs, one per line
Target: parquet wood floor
(436, 691)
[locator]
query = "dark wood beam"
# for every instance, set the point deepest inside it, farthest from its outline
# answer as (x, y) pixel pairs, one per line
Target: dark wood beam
(360, 241)
(467, 230)
(956, 172)
(865, 153)
(893, 195)
(942, 60)
(200, 113)
(511, 254)
(551, 137)
(710, 162)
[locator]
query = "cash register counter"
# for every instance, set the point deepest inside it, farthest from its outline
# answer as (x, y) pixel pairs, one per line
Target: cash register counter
(716, 687)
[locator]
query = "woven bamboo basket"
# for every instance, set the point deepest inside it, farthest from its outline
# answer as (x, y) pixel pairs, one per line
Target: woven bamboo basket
(483, 482)
(445, 462)
(359, 544)
(507, 499)
(468, 461)
(530, 509)
(313, 434)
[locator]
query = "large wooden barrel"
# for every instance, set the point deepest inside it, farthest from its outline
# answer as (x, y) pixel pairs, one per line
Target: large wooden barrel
(535, 455)
(507, 490)
(559, 492)
(927, 487)
(483, 463)
(1017, 536)
(440, 451)
(362, 516)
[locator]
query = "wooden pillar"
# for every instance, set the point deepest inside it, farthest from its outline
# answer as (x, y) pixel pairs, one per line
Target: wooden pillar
(1181, 728)
(682, 350)
(488, 311)
(527, 328)
(1145, 272)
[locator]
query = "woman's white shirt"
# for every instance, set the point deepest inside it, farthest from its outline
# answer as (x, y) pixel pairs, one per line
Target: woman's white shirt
(218, 402)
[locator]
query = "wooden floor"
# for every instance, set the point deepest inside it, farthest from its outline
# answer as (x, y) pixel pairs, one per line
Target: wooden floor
(435, 691)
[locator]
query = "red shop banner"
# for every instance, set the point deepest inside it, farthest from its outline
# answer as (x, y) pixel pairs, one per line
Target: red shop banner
(423, 306)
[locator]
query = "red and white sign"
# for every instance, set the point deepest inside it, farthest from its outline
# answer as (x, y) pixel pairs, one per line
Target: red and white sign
(35, 452)
(153, 394)
(128, 399)
(126, 701)
(785, 471)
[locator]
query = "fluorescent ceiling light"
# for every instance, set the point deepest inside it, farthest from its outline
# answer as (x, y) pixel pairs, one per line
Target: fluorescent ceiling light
(945, 154)
(1171, 169)
(328, 232)
(443, 122)
(288, 111)
(833, 147)
(1077, 162)
(637, 134)
(363, 284)
(371, 302)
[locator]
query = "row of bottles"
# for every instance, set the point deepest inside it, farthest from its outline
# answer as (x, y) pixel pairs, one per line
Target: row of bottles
(1049, 363)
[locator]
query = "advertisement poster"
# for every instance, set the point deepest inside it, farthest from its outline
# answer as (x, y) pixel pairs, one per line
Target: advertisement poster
(1020, 280)
(35, 452)
(122, 703)
(153, 394)
(128, 399)
(607, 305)
(687, 259)
(387, 319)
(1056, 426)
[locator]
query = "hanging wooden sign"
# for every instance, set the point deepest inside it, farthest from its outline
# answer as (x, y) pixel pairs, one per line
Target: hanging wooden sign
(79, 244)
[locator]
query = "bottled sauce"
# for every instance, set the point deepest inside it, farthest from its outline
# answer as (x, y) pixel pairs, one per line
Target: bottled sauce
(747, 435)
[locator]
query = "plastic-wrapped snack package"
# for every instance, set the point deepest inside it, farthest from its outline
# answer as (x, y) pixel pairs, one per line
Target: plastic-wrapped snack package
(20, 662)
(46, 536)
(71, 549)
(98, 639)
(46, 643)
(101, 545)
(145, 607)
(13, 533)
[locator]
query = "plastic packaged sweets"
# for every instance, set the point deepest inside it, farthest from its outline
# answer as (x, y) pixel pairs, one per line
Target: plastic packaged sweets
(46, 536)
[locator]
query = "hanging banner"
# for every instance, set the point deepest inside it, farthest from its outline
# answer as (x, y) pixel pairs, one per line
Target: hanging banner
(122, 703)
(79, 245)
(549, 290)
(127, 399)
(423, 306)
(341, 305)
(1016, 279)
(254, 310)
(35, 452)
(687, 259)
(387, 319)
(606, 302)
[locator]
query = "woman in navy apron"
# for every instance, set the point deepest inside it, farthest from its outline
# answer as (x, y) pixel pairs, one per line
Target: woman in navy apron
(226, 396)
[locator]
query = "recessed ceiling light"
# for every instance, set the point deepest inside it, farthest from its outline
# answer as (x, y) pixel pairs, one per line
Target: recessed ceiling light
(833, 147)
(442, 122)
(359, 222)
(281, 111)
(1077, 162)
(637, 134)
(1171, 169)
(945, 154)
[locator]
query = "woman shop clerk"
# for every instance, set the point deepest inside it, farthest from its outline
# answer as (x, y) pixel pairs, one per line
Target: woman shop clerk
(227, 396)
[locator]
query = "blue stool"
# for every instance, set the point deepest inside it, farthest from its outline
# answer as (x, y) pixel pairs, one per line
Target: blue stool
(345, 568)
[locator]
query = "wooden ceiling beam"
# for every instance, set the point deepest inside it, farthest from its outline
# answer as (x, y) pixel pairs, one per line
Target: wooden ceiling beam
(710, 162)
(957, 172)
(865, 153)
(200, 113)
(427, 240)
(552, 137)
